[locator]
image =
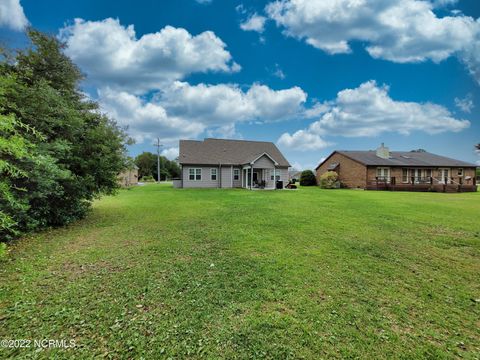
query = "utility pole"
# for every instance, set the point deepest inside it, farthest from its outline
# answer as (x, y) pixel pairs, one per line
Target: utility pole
(158, 146)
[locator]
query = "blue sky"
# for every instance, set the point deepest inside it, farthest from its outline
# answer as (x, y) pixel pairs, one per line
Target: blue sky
(311, 76)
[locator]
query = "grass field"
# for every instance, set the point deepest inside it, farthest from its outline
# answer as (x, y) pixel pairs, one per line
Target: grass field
(156, 272)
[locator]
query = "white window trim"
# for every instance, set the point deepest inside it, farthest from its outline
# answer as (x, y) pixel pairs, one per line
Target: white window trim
(442, 178)
(194, 170)
(213, 172)
(236, 176)
(277, 175)
(384, 168)
(462, 172)
(407, 180)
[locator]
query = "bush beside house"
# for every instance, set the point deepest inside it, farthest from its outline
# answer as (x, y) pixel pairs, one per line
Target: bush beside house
(329, 180)
(307, 178)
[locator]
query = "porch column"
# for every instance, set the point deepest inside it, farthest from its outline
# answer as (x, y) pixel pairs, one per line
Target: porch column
(251, 176)
(243, 174)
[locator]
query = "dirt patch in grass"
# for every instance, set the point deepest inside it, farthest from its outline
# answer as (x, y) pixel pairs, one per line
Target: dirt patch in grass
(72, 270)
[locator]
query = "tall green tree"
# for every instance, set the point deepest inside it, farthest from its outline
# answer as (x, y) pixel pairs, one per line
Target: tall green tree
(78, 150)
(147, 166)
(146, 163)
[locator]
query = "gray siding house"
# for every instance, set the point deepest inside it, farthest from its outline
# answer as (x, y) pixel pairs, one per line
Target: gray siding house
(220, 163)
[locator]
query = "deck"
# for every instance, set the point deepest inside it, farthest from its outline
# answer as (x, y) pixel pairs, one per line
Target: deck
(431, 184)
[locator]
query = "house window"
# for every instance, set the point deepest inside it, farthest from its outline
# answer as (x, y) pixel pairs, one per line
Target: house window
(277, 176)
(405, 175)
(236, 174)
(194, 174)
(443, 175)
(383, 173)
(213, 174)
(417, 174)
(460, 172)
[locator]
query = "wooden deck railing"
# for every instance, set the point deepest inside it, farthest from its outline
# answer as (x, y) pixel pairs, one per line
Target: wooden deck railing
(422, 183)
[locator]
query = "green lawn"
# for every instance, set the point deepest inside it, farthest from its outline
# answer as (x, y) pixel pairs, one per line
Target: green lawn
(156, 272)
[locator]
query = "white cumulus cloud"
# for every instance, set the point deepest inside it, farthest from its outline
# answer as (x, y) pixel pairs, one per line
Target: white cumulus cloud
(170, 153)
(396, 30)
(145, 119)
(187, 111)
(217, 104)
(303, 140)
(254, 22)
(443, 3)
(368, 110)
(465, 104)
(12, 15)
(110, 54)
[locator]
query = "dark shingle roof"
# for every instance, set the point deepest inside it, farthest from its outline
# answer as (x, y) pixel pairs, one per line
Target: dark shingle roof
(227, 152)
(404, 158)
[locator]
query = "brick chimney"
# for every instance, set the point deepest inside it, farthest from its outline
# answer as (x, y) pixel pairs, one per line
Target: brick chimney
(383, 152)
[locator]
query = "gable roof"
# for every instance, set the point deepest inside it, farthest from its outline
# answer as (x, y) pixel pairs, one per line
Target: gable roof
(227, 152)
(401, 158)
(262, 155)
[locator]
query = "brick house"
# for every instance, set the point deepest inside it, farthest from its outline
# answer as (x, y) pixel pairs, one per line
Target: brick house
(128, 177)
(399, 170)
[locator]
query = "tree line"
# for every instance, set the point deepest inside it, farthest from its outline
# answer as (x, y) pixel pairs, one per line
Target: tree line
(147, 167)
(58, 152)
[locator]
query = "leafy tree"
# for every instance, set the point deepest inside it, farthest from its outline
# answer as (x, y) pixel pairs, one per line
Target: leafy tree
(146, 163)
(172, 168)
(78, 150)
(13, 147)
(147, 166)
(307, 178)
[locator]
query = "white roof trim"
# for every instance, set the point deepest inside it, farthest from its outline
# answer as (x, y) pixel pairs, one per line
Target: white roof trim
(258, 157)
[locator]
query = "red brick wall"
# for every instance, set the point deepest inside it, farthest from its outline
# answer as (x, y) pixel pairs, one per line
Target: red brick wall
(397, 173)
(355, 175)
(351, 173)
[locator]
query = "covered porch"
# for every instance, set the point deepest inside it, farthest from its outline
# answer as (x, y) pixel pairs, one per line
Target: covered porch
(260, 173)
(258, 178)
